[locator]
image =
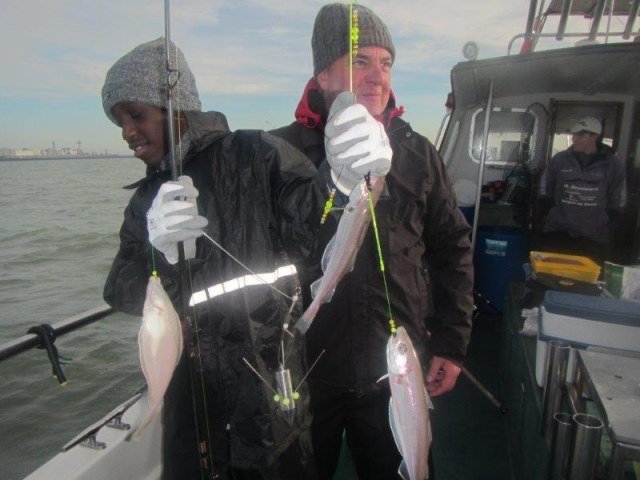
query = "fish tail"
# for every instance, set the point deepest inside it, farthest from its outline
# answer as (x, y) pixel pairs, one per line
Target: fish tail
(137, 434)
(304, 322)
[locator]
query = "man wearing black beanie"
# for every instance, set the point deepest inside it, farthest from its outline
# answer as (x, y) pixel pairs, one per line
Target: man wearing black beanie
(423, 235)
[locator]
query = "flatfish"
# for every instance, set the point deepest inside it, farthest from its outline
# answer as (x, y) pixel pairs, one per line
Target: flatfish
(408, 407)
(160, 344)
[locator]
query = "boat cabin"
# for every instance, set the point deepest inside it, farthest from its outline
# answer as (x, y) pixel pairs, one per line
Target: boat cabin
(521, 106)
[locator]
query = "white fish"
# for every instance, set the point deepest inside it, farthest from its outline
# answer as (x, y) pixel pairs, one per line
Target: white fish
(160, 344)
(340, 253)
(408, 407)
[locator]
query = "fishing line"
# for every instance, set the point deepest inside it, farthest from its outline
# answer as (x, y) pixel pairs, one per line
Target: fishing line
(392, 323)
(247, 268)
(354, 36)
(353, 39)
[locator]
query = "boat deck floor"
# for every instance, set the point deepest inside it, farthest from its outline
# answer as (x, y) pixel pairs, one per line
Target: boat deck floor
(469, 432)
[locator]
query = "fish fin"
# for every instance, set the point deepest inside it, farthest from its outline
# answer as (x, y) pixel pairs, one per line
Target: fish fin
(403, 471)
(303, 323)
(394, 428)
(383, 377)
(327, 254)
(137, 434)
(428, 399)
(315, 285)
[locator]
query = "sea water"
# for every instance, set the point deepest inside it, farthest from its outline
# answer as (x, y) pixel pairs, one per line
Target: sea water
(59, 223)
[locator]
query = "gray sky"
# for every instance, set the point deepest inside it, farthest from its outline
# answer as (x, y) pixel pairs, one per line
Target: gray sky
(251, 58)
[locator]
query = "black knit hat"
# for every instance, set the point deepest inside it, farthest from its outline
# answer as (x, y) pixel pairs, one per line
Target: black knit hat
(330, 39)
(140, 76)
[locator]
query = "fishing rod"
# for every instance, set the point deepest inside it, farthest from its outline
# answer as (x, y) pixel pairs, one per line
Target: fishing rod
(204, 447)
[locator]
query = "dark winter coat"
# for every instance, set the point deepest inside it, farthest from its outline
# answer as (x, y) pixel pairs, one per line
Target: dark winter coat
(585, 197)
(421, 228)
(263, 207)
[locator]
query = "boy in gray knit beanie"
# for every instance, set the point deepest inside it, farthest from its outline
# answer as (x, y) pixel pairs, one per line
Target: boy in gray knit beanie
(140, 76)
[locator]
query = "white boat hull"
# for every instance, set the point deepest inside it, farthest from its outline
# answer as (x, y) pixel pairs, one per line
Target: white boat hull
(121, 458)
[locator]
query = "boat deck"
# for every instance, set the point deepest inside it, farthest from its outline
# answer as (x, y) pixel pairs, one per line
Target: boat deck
(470, 433)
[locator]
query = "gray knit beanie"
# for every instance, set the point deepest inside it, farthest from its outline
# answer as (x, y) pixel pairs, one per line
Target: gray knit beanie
(330, 39)
(141, 77)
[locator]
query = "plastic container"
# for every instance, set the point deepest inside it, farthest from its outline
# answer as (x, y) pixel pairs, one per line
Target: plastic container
(585, 321)
(499, 254)
(568, 266)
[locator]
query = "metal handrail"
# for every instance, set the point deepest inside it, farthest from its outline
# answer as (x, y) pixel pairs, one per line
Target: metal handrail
(30, 340)
(548, 35)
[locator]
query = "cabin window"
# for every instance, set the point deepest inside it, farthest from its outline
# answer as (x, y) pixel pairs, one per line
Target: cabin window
(510, 131)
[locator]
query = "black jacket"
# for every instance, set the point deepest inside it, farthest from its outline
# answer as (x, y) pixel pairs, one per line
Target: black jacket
(421, 228)
(263, 206)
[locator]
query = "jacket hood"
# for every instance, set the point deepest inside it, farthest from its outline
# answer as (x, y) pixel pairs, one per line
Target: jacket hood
(312, 113)
(204, 128)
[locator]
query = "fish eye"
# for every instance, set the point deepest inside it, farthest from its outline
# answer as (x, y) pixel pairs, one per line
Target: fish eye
(402, 348)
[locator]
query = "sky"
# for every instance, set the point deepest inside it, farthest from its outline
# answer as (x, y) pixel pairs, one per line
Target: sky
(251, 59)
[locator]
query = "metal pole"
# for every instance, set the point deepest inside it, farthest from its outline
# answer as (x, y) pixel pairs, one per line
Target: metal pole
(597, 16)
(633, 13)
(531, 19)
(483, 159)
(557, 359)
(586, 446)
(170, 69)
(561, 445)
(564, 16)
(31, 340)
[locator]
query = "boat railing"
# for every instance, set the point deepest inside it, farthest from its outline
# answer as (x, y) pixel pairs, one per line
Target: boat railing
(550, 35)
(44, 336)
(595, 9)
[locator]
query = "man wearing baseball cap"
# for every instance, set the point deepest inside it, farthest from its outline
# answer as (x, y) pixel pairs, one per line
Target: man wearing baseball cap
(420, 227)
(582, 192)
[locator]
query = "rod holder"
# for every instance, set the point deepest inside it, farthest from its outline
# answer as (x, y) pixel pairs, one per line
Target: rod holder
(561, 445)
(557, 360)
(586, 446)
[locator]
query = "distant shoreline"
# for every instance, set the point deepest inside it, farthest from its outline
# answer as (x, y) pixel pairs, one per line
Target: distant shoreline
(68, 157)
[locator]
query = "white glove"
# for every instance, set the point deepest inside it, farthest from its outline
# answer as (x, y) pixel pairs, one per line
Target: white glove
(173, 217)
(355, 143)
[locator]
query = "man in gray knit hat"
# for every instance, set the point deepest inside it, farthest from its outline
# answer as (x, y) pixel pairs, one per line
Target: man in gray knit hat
(229, 183)
(421, 230)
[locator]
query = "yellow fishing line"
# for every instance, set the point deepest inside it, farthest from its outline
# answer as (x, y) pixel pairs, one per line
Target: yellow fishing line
(354, 37)
(392, 323)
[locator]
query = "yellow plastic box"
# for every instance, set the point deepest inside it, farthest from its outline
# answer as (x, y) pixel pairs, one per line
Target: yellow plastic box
(569, 266)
